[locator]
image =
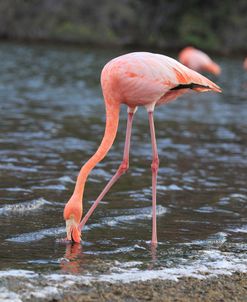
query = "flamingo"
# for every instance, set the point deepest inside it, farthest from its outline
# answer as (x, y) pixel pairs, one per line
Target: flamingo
(198, 60)
(134, 79)
(245, 63)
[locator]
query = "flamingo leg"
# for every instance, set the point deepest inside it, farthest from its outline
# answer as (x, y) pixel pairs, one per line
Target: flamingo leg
(155, 167)
(121, 170)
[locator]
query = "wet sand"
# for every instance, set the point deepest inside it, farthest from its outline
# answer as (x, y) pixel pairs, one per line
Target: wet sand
(221, 288)
(224, 288)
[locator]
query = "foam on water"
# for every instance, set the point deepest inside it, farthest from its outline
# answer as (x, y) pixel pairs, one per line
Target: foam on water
(38, 235)
(172, 187)
(11, 167)
(232, 198)
(240, 197)
(213, 240)
(242, 229)
(140, 214)
(50, 187)
(9, 296)
(18, 273)
(209, 263)
(24, 207)
(16, 189)
(41, 234)
(66, 179)
(206, 264)
(43, 293)
(210, 210)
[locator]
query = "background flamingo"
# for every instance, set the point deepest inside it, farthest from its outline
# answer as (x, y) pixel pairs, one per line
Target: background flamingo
(245, 64)
(198, 60)
(135, 79)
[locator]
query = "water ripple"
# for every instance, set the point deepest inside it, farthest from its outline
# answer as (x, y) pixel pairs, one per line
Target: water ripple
(38, 235)
(242, 229)
(110, 221)
(23, 208)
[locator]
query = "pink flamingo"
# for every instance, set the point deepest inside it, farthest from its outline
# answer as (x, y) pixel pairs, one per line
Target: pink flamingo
(135, 79)
(198, 60)
(245, 63)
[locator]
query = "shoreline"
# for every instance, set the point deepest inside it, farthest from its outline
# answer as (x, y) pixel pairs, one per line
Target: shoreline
(220, 288)
(217, 288)
(240, 53)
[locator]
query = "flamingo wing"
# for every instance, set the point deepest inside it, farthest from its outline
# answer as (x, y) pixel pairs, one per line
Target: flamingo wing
(144, 77)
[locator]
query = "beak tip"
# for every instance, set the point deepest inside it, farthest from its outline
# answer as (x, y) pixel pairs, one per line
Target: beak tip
(76, 235)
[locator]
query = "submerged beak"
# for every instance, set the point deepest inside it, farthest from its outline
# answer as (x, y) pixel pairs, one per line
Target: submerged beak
(73, 233)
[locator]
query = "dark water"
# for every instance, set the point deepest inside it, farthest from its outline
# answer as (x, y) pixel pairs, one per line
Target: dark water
(52, 120)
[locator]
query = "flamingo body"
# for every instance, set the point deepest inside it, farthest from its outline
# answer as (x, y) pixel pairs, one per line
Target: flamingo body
(198, 60)
(142, 78)
(135, 79)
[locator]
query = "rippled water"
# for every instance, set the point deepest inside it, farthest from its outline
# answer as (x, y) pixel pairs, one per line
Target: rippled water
(52, 120)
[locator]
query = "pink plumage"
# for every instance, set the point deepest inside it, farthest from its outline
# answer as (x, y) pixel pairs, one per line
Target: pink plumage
(198, 60)
(142, 78)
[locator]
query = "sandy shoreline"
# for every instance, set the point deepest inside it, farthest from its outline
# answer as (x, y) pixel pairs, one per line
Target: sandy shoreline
(221, 288)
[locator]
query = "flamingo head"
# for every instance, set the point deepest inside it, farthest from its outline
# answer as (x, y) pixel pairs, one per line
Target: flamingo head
(72, 215)
(213, 68)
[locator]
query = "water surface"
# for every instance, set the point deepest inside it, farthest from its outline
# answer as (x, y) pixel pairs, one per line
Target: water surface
(52, 120)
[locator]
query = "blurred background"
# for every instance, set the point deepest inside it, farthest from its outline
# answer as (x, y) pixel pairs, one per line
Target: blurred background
(211, 25)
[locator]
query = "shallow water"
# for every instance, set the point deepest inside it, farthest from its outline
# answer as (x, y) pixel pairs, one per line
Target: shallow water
(52, 120)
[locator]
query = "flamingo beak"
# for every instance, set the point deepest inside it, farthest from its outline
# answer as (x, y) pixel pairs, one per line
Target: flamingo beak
(73, 233)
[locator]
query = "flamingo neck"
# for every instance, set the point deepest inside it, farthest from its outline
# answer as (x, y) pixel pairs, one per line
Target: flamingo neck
(112, 118)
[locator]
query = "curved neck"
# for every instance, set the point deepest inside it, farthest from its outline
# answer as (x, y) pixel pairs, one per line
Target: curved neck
(112, 118)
